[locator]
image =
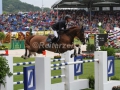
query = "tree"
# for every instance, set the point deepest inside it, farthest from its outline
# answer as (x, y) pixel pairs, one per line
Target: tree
(14, 6)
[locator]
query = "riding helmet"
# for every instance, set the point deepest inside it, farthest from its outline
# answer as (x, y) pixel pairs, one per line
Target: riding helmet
(67, 17)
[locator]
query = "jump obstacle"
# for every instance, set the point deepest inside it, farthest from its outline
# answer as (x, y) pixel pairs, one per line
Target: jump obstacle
(33, 78)
(10, 83)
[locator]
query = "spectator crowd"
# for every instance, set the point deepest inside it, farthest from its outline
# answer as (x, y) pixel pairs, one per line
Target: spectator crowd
(43, 20)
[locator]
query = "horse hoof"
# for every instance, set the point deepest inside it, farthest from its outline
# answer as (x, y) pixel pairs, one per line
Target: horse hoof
(26, 57)
(22, 56)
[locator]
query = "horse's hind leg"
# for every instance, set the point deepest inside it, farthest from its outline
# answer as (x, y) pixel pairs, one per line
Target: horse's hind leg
(26, 54)
(23, 56)
(34, 53)
(30, 53)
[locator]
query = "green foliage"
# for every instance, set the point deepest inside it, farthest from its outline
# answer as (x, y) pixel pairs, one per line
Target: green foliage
(3, 47)
(4, 70)
(2, 35)
(16, 6)
(115, 78)
(101, 30)
(30, 31)
(91, 81)
(110, 50)
(90, 47)
(57, 57)
(117, 50)
(5, 12)
(46, 9)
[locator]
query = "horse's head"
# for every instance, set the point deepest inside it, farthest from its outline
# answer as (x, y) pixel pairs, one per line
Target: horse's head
(78, 32)
(81, 35)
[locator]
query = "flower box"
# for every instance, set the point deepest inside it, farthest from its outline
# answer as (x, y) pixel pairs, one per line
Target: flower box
(57, 57)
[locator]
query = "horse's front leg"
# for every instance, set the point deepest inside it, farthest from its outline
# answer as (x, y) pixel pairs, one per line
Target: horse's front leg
(79, 49)
(74, 54)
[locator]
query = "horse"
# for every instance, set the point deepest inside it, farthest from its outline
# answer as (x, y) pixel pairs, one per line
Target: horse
(38, 43)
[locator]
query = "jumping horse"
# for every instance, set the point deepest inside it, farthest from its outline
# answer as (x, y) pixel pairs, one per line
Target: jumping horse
(38, 43)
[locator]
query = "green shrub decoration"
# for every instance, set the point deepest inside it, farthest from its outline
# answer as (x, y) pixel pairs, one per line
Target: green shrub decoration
(4, 70)
(31, 31)
(90, 47)
(117, 50)
(91, 81)
(57, 57)
(3, 47)
(110, 50)
(101, 30)
(2, 35)
(115, 78)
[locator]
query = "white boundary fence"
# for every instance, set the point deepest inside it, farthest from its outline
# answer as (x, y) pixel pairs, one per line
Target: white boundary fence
(43, 80)
(43, 74)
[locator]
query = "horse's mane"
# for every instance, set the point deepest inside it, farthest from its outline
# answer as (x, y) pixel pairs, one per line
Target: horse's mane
(69, 30)
(73, 27)
(27, 40)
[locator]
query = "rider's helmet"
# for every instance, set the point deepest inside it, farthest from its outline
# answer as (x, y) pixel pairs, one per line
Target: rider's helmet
(68, 17)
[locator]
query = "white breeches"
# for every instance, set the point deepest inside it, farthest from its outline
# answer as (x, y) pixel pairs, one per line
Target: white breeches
(55, 33)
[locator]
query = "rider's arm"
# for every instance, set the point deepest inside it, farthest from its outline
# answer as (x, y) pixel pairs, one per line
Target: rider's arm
(62, 26)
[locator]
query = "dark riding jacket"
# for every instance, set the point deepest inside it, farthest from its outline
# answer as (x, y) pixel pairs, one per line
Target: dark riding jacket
(61, 25)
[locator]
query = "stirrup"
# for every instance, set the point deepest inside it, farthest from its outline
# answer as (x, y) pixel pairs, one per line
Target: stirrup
(50, 45)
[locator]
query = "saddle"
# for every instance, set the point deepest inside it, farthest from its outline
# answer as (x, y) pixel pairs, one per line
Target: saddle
(52, 39)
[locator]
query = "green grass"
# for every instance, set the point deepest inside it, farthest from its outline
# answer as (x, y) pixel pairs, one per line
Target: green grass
(8, 45)
(19, 69)
(77, 41)
(88, 70)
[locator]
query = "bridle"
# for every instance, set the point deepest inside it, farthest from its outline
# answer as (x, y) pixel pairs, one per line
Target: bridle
(82, 32)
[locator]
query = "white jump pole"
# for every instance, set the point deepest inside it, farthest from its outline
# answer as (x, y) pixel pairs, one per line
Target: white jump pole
(8, 80)
(100, 69)
(43, 73)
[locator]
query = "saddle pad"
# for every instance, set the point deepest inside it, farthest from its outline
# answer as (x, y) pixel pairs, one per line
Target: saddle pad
(49, 38)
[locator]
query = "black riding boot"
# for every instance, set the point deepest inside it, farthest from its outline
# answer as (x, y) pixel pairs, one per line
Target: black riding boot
(54, 40)
(51, 42)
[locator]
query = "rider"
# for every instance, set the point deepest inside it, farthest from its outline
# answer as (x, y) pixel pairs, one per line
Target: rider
(61, 25)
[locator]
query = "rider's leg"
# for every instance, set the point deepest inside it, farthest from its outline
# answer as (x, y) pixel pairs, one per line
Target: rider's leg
(56, 36)
(55, 33)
